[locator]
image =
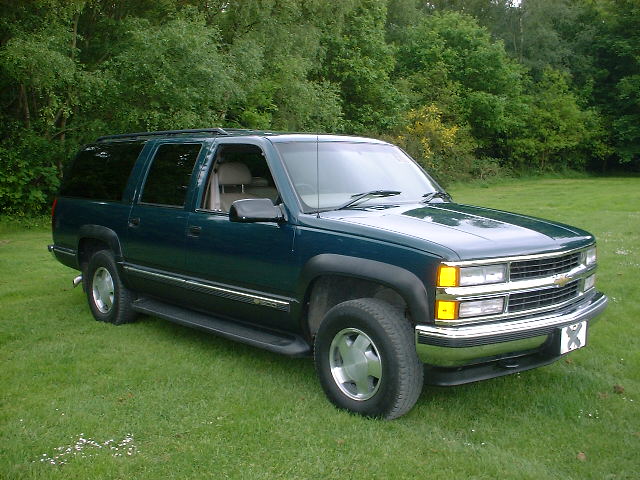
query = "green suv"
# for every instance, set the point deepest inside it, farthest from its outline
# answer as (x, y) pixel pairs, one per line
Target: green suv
(338, 247)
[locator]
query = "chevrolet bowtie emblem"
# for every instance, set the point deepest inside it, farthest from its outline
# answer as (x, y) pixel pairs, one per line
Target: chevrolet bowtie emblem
(562, 281)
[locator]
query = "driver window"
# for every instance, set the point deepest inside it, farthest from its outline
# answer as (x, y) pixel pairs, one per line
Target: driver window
(239, 171)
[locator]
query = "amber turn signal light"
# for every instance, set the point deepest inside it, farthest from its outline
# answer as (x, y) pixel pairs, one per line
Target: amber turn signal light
(446, 310)
(448, 276)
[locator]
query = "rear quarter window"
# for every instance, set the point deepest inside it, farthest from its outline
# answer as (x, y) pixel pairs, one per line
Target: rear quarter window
(101, 171)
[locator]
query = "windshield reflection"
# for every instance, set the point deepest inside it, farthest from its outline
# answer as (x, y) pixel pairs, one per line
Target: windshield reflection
(326, 175)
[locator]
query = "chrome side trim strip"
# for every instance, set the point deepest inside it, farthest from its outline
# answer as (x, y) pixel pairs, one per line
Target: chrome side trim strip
(242, 296)
(224, 292)
(64, 251)
(147, 273)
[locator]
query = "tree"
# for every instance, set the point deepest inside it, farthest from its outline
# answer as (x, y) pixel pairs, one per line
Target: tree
(167, 75)
(449, 60)
(617, 91)
(360, 62)
(556, 125)
(278, 52)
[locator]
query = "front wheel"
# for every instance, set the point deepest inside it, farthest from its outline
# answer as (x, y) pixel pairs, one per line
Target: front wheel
(366, 359)
(109, 300)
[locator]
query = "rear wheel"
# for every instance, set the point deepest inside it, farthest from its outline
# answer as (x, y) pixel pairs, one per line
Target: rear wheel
(109, 300)
(366, 359)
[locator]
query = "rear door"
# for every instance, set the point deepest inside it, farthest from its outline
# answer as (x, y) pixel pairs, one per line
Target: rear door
(158, 218)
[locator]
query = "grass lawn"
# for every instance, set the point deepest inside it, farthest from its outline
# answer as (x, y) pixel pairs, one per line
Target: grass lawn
(153, 400)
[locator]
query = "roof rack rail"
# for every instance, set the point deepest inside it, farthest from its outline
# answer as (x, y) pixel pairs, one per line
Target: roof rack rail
(217, 131)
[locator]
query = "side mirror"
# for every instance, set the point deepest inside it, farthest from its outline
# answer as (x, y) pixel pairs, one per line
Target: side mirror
(251, 210)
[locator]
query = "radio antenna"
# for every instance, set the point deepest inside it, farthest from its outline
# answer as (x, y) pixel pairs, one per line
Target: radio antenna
(318, 175)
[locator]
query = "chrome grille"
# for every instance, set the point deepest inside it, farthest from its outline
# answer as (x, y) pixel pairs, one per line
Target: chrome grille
(546, 297)
(543, 267)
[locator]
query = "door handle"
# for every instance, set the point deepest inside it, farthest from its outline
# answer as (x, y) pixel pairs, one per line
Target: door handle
(194, 230)
(134, 222)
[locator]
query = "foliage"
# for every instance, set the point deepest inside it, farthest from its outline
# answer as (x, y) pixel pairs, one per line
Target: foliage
(618, 92)
(277, 49)
(536, 84)
(361, 62)
(596, 44)
(163, 77)
(443, 149)
(555, 128)
(29, 172)
(449, 60)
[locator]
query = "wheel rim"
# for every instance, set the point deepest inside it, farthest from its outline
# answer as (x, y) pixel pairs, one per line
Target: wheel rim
(356, 364)
(102, 288)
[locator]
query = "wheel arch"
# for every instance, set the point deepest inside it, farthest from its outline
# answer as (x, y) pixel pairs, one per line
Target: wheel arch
(394, 284)
(92, 238)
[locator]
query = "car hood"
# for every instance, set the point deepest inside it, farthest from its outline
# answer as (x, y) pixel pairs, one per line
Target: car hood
(468, 231)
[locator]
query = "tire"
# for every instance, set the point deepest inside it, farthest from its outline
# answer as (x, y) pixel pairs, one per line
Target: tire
(109, 300)
(366, 359)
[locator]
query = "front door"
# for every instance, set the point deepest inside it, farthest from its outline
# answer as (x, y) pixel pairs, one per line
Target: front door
(243, 270)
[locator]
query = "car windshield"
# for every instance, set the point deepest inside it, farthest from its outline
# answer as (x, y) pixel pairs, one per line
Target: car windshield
(347, 170)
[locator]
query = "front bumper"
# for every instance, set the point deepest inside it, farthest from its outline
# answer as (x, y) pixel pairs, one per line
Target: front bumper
(474, 345)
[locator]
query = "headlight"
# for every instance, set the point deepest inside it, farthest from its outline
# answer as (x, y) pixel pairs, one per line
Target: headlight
(449, 276)
(482, 275)
(590, 256)
(479, 308)
(453, 310)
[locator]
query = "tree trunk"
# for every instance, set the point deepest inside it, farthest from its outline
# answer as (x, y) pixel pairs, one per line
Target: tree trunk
(521, 38)
(24, 100)
(74, 38)
(63, 125)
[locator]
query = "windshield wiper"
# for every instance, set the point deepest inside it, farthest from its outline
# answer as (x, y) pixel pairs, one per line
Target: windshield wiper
(437, 194)
(365, 196)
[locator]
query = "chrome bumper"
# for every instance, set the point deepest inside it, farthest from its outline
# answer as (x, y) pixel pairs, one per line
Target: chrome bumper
(466, 345)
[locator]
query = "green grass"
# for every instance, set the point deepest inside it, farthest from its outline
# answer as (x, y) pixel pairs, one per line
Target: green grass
(198, 406)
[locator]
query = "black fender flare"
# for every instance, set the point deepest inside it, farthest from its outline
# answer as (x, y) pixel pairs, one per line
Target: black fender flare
(407, 284)
(104, 234)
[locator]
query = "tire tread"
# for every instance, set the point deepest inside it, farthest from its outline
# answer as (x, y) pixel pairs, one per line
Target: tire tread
(400, 335)
(123, 297)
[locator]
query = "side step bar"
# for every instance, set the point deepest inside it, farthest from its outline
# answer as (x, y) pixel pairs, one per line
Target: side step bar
(274, 341)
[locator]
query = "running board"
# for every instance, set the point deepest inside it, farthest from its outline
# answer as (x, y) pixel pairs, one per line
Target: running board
(272, 340)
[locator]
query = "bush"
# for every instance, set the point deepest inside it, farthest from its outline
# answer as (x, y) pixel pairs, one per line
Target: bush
(29, 175)
(443, 149)
(487, 169)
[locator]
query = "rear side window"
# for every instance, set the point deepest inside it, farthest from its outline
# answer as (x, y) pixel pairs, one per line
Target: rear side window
(170, 174)
(101, 171)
